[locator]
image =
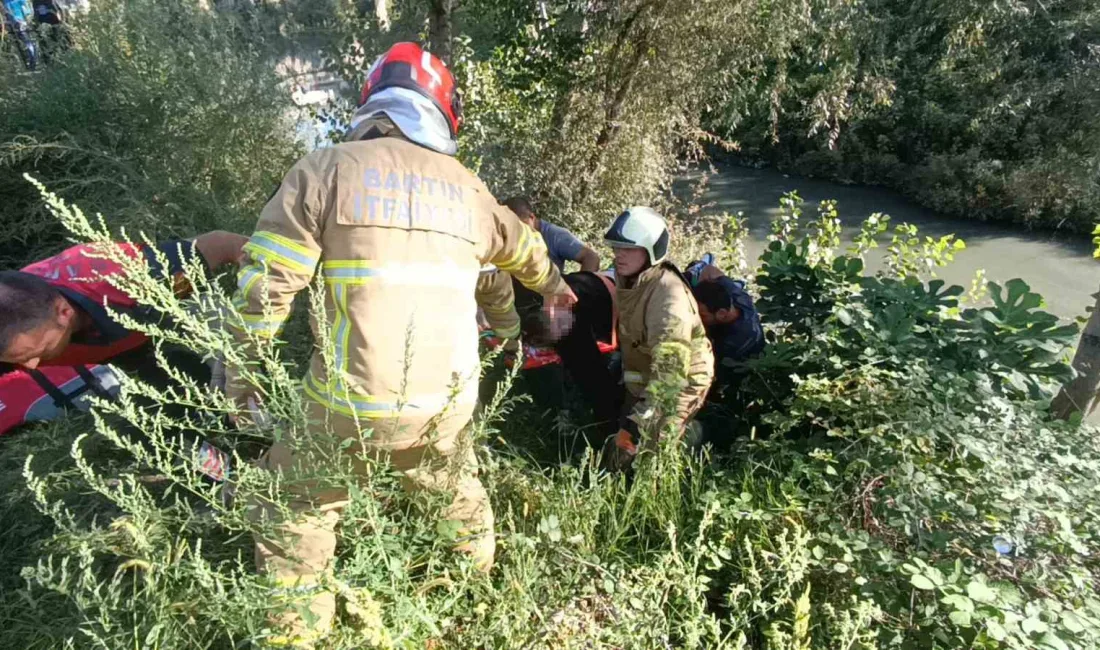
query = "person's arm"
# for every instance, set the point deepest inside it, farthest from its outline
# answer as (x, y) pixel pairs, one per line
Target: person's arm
(219, 247)
(495, 297)
(669, 323)
(516, 249)
(567, 246)
(588, 259)
(278, 260)
(170, 258)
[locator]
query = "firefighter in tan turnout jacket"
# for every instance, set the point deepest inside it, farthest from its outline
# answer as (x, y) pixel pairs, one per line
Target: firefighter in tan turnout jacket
(663, 342)
(398, 230)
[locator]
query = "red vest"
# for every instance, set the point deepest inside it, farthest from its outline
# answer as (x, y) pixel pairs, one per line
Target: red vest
(40, 395)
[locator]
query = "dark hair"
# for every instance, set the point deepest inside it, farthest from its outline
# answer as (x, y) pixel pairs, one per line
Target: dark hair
(713, 295)
(26, 301)
(521, 206)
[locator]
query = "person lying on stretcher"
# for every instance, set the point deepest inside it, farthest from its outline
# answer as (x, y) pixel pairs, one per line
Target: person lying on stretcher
(580, 350)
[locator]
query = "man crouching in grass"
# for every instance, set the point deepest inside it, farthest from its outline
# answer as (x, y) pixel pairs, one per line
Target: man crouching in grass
(57, 319)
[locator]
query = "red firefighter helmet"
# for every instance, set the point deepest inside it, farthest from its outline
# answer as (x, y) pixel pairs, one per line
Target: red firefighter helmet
(407, 65)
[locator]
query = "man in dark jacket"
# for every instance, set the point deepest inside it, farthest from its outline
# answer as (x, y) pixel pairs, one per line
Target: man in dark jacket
(731, 320)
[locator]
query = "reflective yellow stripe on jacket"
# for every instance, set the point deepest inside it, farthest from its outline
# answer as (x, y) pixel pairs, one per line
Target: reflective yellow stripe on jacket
(276, 249)
(247, 279)
(340, 276)
(528, 245)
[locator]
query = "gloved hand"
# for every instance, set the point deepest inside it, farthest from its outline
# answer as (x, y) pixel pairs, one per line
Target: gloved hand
(513, 348)
(619, 451)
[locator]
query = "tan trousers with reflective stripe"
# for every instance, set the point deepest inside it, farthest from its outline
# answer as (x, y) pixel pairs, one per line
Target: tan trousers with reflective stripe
(300, 553)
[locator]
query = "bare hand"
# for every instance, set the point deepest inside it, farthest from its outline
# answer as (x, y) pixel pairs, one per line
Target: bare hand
(559, 311)
(220, 247)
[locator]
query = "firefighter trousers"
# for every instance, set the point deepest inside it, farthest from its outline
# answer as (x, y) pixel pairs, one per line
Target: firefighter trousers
(299, 552)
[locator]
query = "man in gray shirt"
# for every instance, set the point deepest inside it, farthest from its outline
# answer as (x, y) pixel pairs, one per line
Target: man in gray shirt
(562, 244)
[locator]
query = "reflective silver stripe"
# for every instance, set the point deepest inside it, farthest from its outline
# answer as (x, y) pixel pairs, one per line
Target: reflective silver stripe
(270, 247)
(399, 274)
(341, 334)
(374, 407)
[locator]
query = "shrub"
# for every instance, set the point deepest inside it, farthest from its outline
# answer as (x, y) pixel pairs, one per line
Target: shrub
(899, 484)
(164, 117)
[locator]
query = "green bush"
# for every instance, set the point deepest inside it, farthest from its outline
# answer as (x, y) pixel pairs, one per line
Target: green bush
(898, 484)
(893, 479)
(164, 117)
(977, 109)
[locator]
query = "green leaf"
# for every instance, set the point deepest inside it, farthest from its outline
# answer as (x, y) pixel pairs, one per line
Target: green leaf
(1072, 622)
(1008, 593)
(840, 567)
(448, 528)
(958, 602)
(980, 592)
(922, 582)
(1050, 640)
(1033, 625)
(962, 619)
(996, 630)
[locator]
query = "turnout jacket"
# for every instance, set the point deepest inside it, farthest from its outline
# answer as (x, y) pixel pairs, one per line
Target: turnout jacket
(398, 234)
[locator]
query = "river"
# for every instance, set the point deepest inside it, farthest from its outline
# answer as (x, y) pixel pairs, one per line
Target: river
(1060, 267)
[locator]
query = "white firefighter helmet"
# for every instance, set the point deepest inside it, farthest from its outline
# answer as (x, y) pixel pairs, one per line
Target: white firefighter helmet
(640, 227)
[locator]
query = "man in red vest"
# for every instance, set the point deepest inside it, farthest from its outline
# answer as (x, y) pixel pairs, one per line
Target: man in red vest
(56, 328)
(53, 310)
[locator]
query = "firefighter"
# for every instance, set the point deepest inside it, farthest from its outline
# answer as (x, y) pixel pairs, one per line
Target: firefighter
(398, 230)
(663, 342)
